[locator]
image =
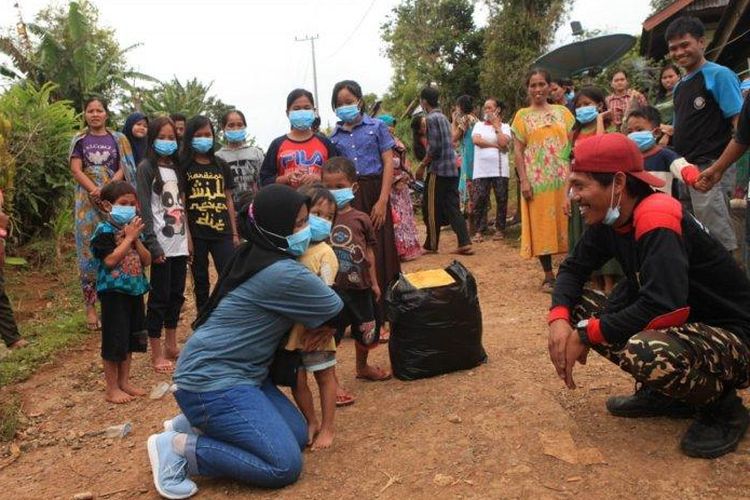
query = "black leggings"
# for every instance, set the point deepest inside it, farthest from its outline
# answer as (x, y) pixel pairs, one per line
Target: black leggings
(546, 261)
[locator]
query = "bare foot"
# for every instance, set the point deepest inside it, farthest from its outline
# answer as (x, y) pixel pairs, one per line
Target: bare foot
(343, 398)
(323, 441)
(18, 344)
(162, 365)
(117, 396)
(312, 430)
(132, 390)
(172, 353)
(373, 373)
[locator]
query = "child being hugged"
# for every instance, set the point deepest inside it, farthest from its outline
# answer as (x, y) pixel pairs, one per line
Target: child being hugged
(162, 200)
(120, 258)
(643, 128)
(209, 204)
(321, 260)
(353, 241)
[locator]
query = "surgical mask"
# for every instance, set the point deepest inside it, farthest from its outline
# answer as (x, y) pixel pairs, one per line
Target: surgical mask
(238, 135)
(164, 147)
(319, 227)
(586, 114)
(348, 113)
(202, 144)
(644, 139)
(342, 196)
(570, 95)
(301, 119)
(613, 212)
(122, 214)
(297, 243)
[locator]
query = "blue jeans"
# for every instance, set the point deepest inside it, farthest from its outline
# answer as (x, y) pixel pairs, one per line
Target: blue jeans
(251, 434)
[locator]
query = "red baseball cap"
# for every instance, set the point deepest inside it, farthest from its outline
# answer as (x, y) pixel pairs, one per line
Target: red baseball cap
(612, 153)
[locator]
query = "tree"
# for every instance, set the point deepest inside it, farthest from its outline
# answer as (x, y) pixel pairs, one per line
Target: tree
(658, 5)
(432, 41)
(70, 49)
(517, 33)
(191, 98)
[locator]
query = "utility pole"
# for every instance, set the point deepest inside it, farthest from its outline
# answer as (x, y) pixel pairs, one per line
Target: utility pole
(312, 39)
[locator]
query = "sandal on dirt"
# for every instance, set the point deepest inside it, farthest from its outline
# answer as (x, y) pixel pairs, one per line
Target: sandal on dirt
(548, 286)
(477, 238)
(385, 376)
(344, 400)
(93, 326)
(167, 367)
(465, 250)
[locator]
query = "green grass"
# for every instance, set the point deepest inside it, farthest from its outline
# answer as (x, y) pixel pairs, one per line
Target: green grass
(10, 415)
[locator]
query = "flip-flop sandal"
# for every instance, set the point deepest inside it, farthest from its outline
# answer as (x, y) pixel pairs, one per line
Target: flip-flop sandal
(464, 251)
(93, 326)
(347, 400)
(164, 368)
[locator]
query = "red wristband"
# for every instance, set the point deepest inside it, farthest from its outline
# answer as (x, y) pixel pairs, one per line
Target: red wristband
(558, 312)
(594, 331)
(690, 174)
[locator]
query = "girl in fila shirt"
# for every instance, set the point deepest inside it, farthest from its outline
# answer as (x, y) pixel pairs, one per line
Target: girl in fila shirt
(161, 195)
(297, 157)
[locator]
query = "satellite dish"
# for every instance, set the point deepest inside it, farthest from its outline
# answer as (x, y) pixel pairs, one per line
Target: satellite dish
(587, 56)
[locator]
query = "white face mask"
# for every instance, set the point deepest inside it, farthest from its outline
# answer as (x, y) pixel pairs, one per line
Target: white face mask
(613, 212)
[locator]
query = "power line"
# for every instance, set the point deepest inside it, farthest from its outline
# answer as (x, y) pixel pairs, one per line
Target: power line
(354, 31)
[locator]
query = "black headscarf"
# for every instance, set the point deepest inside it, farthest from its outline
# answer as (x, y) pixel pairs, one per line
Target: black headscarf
(138, 145)
(274, 210)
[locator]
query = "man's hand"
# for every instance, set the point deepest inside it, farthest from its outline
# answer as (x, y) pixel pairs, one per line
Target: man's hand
(315, 338)
(134, 229)
(708, 179)
(574, 351)
(559, 331)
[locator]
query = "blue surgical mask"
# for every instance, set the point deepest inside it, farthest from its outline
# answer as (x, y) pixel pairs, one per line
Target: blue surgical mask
(122, 214)
(297, 243)
(238, 135)
(164, 147)
(644, 139)
(301, 119)
(613, 212)
(202, 144)
(586, 114)
(342, 196)
(320, 228)
(570, 95)
(348, 113)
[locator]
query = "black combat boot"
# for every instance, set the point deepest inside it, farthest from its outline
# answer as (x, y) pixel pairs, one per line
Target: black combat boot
(646, 402)
(718, 428)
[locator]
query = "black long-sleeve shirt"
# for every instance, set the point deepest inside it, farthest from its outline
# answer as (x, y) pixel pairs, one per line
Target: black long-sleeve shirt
(675, 273)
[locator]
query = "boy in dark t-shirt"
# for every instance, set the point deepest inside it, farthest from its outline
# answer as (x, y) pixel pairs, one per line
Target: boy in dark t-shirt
(661, 161)
(353, 242)
(707, 101)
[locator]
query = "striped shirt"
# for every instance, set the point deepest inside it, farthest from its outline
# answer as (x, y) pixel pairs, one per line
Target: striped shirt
(440, 145)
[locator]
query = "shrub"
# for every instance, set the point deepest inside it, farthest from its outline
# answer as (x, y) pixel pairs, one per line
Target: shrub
(38, 142)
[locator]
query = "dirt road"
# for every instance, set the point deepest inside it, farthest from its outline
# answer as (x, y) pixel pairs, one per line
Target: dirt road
(521, 433)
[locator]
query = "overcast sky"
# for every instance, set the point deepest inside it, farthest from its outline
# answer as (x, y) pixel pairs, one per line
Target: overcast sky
(248, 49)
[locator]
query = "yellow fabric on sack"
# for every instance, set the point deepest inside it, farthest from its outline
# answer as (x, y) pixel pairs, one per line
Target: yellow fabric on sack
(432, 278)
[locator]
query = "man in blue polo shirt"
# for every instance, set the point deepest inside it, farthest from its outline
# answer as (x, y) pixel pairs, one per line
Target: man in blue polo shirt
(706, 103)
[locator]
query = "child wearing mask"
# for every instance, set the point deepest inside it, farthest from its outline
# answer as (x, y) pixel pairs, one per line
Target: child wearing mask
(121, 284)
(642, 127)
(321, 260)
(353, 241)
(162, 200)
(210, 205)
(243, 159)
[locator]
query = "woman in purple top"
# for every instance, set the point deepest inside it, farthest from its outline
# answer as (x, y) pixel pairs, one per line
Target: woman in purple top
(368, 143)
(97, 156)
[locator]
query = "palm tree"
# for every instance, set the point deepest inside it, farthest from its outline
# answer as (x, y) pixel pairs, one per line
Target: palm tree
(191, 98)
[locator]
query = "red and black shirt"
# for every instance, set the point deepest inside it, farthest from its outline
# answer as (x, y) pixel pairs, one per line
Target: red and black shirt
(675, 273)
(285, 156)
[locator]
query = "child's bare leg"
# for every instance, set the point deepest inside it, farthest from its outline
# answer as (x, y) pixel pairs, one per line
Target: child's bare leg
(113, 393)
(160, 363)
(170, 343)
(365, 370)
(303, 398)
(327, 385)
(123, 378)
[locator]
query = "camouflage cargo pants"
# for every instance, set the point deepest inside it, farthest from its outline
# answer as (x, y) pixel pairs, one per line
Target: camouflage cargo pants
(694, 362)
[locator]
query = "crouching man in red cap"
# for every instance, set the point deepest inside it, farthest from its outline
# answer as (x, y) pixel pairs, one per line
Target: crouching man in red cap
(679, 322)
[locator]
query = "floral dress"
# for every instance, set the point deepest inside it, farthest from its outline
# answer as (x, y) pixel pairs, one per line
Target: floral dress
(404, 225)
(544, 133)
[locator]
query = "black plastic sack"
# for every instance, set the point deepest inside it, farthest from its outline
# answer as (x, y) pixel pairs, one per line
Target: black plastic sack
(435, 330)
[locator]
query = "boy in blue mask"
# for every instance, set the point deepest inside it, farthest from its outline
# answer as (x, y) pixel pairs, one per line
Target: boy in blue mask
(321, 260)
(642, 125)
(353, 241)
(121, 284)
